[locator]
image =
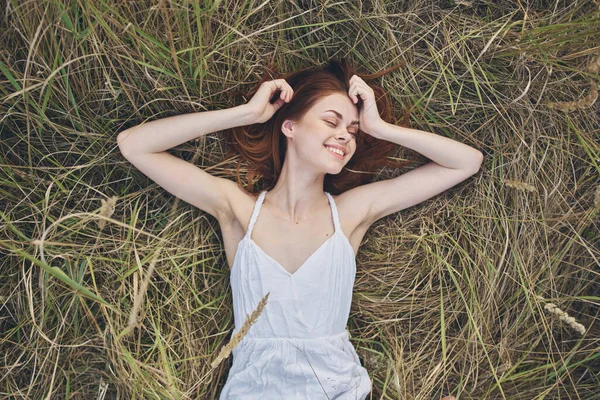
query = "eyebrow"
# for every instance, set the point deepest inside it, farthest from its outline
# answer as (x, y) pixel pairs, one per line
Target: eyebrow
(341, 117)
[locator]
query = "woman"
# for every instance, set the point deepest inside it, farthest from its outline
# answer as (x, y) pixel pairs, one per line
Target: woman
(302, 248)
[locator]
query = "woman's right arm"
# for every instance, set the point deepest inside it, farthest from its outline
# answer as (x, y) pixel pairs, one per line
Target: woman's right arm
(166, 133)
(145, 147)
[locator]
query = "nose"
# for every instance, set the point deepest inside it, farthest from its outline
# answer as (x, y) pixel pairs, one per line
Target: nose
(344, 135)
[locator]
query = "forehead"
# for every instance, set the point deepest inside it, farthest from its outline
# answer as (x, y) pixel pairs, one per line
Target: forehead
(338, 102)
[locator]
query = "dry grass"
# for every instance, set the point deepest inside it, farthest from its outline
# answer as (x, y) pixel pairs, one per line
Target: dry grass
(238, 336)
(112, 288)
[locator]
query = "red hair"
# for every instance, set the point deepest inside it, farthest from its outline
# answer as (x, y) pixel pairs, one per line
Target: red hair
(263, 146)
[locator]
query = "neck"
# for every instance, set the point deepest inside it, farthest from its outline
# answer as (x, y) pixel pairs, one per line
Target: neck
(296, 204)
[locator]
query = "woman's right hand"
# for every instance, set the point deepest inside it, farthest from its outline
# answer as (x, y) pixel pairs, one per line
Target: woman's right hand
(260, 104)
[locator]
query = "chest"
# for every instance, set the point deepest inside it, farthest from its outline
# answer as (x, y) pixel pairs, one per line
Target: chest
(290, 245)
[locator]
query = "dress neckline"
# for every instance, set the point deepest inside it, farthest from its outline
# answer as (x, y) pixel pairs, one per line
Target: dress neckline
(255, 213)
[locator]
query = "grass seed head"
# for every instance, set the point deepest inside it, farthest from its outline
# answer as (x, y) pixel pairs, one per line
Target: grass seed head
(237, 338)
(585, 102)
(520, 185)
(563, 316)
(594, 66)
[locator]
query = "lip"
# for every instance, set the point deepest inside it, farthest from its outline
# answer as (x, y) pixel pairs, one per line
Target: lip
(334, 154)
(337, 146)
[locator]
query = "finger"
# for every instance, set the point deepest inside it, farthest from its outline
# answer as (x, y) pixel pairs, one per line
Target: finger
(351, 92)
(277, 105)
(276, 85)
(354, 86)
(270, 87)
(366, 88)
(285, 88)
(284, 94)
(352, 96)
(354, 93)
(363, 90)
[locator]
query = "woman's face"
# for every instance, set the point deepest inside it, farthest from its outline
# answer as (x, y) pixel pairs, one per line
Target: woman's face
(332, 122)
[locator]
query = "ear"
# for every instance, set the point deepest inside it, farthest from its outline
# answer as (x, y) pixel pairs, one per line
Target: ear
(287, 128)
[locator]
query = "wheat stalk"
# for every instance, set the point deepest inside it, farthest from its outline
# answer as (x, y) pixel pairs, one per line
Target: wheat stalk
(585, 102)
(226, 350)
(520, 185)
(594, 66)
(552, 308)
(106, 210)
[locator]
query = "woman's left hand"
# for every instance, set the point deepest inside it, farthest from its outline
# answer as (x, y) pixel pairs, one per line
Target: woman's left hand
(369, 119)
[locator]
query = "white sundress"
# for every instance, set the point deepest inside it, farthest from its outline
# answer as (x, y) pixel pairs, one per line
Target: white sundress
(299, 347)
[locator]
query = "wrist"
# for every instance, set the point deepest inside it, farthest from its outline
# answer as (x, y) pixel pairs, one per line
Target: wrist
(378, 130)
(246, 115)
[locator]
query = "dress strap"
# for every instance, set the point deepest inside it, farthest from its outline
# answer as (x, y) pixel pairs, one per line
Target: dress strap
(255, 212)
(334, 212)
(261, 198)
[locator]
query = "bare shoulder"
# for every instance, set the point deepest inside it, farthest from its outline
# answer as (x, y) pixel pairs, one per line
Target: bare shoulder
(353, 213)
(354, 207)
(239, 205)
(234, 216)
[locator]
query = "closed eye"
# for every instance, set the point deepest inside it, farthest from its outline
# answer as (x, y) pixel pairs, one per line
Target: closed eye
(332, 124)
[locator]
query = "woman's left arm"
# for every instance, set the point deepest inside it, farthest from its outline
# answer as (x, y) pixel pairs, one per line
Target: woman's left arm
(452, 162)
(445, 151)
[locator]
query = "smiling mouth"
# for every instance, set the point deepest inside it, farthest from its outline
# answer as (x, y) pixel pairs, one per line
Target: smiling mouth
(334, 154)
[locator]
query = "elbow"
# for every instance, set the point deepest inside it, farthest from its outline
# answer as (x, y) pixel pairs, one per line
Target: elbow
(120, 141)
(474, 164)
(478, 162)
(121, 136)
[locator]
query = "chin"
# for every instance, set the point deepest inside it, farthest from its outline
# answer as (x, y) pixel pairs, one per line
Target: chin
(333, 170)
